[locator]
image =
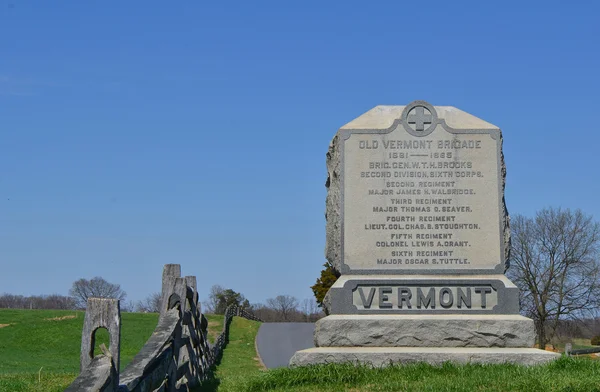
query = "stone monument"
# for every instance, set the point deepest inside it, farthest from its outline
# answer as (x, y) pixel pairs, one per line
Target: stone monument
(418, 228)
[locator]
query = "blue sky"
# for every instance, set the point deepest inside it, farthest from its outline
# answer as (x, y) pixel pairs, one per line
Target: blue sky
(140, 133)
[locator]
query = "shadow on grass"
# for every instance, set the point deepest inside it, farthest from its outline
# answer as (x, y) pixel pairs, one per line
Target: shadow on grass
(212, 383)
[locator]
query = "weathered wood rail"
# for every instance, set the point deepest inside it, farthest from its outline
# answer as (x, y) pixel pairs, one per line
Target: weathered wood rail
(569, 351)
(176, 357)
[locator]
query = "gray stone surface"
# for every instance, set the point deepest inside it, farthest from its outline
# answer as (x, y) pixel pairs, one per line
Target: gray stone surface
(384, 356)
(333, 205)
(276, 343)
(424, 331)
(386, 123)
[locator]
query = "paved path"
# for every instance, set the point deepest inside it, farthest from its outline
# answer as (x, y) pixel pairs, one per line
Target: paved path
(277, 342)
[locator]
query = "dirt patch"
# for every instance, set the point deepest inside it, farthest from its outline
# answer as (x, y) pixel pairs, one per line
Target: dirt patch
(61, 318)
(4, 325)
(259, 363)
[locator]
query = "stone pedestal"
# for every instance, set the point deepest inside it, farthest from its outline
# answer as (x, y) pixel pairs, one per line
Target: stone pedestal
(385, 356)
(424, 331)
(403, 319)
(418, 229)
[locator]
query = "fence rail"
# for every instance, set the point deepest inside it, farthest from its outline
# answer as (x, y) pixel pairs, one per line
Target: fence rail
(177, 356)
(569, 351)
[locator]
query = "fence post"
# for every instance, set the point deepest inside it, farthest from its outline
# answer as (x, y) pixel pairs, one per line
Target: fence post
(568, 349)
(170, 273)
(101, 313)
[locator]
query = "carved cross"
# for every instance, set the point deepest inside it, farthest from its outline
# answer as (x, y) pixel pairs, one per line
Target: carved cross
(420, 118)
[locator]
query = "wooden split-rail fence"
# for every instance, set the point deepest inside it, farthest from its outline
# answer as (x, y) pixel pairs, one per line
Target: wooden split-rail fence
(177, 356)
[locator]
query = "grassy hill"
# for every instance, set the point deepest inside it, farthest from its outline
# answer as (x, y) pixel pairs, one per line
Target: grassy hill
(51, 339)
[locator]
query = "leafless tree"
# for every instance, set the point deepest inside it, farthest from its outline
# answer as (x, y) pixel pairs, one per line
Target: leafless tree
(554, 262)
(285, 305)
(150, 304)
(96, 287)
(211, 304)
(305, 308)
(310, 309)
(128, 306)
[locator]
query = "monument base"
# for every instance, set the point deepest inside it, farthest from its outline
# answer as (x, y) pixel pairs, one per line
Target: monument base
(385, 356)
(384, 319)
(443, 330)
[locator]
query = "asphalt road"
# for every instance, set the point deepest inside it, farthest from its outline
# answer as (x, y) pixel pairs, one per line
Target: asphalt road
(277, 342)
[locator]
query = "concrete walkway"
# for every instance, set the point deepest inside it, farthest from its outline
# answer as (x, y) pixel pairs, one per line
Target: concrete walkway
(276, 343)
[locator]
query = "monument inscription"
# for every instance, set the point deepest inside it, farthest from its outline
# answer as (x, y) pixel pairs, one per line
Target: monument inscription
(421, 197)
(392, 297)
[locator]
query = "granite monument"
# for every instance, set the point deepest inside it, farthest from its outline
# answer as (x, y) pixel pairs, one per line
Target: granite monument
(418, 228)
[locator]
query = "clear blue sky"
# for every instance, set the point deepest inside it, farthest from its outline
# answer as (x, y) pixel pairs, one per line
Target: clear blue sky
(139, 133)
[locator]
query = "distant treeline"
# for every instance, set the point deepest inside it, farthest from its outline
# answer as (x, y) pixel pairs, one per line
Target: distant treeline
(65, 302)
(53, 301)
(273, 315)
(585, 328)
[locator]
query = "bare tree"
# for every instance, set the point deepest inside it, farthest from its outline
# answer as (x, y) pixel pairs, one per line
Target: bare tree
(211, 304)
(285, 305)
(305, 307)
(128, 307)
(554, 262)
(151, 304)
(96, 287)
(310, 309)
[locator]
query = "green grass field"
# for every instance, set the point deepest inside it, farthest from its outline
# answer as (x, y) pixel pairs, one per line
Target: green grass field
(51, 339)
(566, 374)
(44, 345)
(239, 357)
(39, 351)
